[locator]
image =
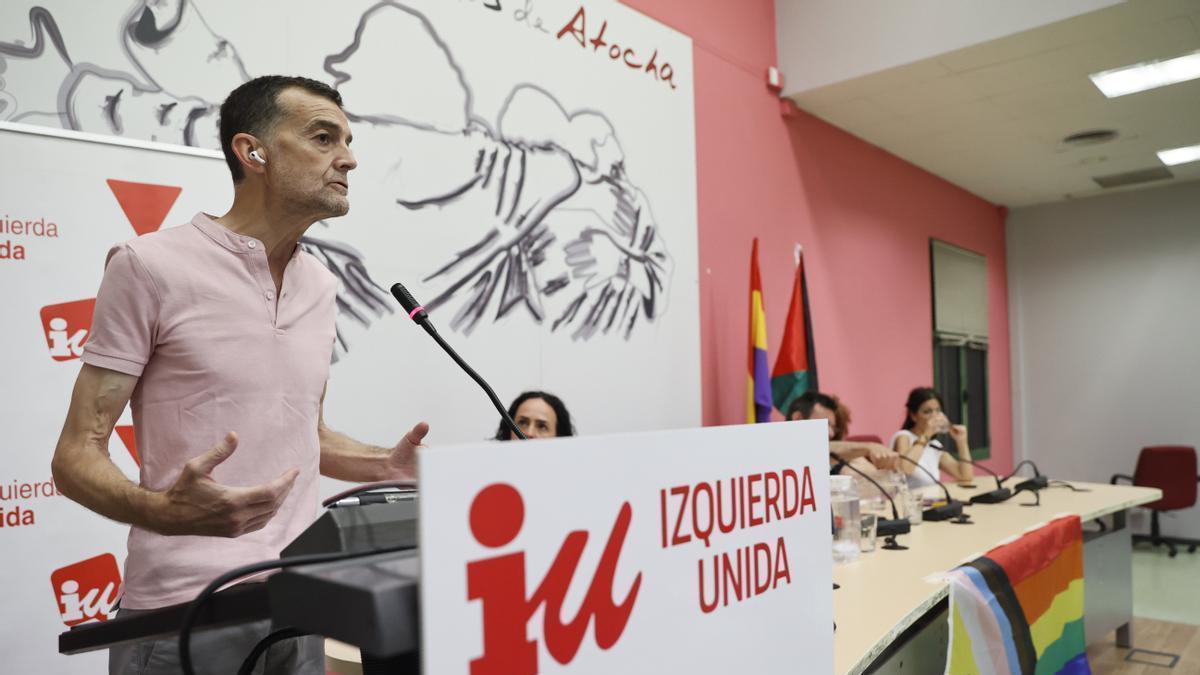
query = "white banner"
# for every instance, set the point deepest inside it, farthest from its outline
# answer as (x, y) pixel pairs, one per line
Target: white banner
(526, 168)
(697, 551)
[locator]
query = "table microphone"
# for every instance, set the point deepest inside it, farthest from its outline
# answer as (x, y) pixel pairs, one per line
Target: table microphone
(884, 528)
(1000, 494)
(417, 313)
(1029, 486)
(951, 509)
(1038, 482)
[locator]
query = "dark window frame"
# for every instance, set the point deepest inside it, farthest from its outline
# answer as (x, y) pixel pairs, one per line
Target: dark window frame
(952, 366)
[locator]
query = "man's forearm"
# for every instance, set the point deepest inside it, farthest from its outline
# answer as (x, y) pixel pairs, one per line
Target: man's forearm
(87, 476)
(847, 451)
(346, 459)
(82, 469)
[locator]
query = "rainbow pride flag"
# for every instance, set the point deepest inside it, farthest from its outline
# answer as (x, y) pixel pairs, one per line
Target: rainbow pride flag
(758, 382)
(1018, 609)
(795, 369)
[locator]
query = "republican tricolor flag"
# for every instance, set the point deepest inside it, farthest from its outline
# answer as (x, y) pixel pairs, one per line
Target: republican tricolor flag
(758, 382)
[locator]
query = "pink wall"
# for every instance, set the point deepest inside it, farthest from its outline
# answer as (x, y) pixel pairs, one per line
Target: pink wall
(863, 216)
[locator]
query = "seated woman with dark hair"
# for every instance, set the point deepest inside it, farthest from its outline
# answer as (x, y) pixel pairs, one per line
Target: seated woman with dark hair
(813, 405)
(538, 415)
(923, 420)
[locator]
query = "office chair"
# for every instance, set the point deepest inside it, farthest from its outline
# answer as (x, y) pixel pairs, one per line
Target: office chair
(1172, 469)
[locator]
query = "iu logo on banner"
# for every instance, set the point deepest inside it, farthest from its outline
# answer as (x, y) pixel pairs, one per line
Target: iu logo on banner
(499, 584)
(87, 590)
(67, 326)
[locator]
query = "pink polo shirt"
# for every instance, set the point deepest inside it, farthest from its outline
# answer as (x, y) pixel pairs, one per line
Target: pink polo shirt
(192, 312)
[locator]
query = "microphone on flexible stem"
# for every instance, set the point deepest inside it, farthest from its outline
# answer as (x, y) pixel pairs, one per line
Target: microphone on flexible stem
(1034, 485)
(417, 313)
(1000, 494)
(1024, 462)
(884, 528)
(1038, 482)
(952, 509)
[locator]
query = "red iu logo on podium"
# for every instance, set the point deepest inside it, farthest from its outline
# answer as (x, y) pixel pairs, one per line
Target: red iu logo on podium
(67, 326)
(87, 590)
(499, 583)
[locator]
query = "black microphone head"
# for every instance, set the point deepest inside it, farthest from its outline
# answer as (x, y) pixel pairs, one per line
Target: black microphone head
(415, 311)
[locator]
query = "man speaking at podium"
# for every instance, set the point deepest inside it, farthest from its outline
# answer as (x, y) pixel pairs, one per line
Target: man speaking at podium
(219, 333)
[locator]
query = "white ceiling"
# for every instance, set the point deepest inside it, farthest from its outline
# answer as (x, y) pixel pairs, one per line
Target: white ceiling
(990, 117)
(823, 42)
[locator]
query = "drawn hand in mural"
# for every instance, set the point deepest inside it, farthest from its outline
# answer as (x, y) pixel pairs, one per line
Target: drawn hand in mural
(619, 284)
(624, 266)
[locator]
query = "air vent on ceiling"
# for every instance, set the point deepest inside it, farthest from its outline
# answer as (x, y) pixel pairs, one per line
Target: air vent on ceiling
(1133, 177)
(1091, 137)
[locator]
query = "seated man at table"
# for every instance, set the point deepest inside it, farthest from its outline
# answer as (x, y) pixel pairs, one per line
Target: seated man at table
(866, 456)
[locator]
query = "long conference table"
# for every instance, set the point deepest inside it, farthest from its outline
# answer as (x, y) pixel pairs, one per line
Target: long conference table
(891, 607)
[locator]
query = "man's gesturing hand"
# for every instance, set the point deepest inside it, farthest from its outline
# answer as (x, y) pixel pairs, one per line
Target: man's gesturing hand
(402, 461)
(196, 504)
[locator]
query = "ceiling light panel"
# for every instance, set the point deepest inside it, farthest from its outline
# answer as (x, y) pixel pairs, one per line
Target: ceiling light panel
(1149, 75)
(1183, 155)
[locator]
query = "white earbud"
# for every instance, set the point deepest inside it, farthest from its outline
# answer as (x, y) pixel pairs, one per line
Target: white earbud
(257, 157)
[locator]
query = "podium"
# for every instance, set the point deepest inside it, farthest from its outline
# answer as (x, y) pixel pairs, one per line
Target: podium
(702, 550)
(370, 602)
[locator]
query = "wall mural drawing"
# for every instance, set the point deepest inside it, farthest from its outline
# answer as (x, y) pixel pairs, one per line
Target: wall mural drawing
(539, 214)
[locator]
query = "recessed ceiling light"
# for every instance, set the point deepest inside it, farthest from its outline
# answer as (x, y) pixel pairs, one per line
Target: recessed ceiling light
(1149, 75)
(1183, 155)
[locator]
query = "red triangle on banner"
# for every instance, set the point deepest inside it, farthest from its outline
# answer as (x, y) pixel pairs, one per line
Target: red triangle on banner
(145, 205)
(126, 433)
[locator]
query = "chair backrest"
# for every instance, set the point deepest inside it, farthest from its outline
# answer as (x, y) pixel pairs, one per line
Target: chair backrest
(865, 438)
(1172, 469)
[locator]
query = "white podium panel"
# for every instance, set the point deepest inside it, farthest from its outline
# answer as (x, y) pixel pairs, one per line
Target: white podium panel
(699, 551)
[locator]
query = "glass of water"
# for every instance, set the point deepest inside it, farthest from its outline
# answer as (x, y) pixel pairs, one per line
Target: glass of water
(915, 507)
(866, 539)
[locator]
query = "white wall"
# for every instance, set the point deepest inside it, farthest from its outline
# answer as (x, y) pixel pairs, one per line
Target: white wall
(1104, 300)
(826, 41)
